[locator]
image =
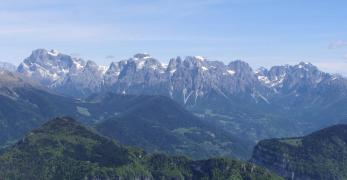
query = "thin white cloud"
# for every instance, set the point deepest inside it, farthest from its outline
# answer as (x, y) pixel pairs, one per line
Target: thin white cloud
(338, 44)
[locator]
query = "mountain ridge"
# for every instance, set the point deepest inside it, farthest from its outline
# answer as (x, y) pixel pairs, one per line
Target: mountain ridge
(319, 155)
(144, 69)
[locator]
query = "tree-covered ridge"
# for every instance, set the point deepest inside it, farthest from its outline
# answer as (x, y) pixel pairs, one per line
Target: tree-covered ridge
(64, 149)
(320, 155)
(158, 124)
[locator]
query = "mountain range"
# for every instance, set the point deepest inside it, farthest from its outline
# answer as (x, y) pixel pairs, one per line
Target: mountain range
(259, 104)
(186, 81)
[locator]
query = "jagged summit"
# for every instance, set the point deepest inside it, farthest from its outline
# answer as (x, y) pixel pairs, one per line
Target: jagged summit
(49, 67)
(289, 78)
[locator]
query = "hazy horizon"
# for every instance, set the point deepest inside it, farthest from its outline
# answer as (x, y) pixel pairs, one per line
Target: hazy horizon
(260, 32)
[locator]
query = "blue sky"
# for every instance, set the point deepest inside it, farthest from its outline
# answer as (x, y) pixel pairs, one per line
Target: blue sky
(260, 32)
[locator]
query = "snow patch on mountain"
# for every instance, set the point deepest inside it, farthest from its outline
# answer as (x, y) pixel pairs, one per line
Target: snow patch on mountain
(231, 72)
(200, 58)
(264, 79)
(53, 52)
(204, 68)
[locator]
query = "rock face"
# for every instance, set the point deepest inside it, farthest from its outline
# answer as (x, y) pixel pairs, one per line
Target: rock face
(320, 155)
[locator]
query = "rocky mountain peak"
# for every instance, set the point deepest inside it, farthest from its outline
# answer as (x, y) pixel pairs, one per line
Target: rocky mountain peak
(91, 65)
(192, 62)
(239, 66)
(143, 61)
(305, 66)
(195, 59)
(39, 52)
(243, 71)
(114, 67)
(49, 59)
(49, 67)
(291, 78)
(307, 71)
